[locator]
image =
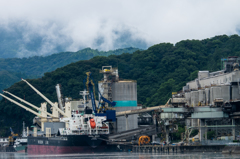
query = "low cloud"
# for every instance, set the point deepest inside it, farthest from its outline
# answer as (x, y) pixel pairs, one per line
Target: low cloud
(46, 27)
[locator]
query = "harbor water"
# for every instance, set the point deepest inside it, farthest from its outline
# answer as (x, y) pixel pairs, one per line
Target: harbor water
(123, 155)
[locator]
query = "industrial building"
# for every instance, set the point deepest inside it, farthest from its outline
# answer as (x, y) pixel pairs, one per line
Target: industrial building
(214, 98)
(123, 92)
(211, 102)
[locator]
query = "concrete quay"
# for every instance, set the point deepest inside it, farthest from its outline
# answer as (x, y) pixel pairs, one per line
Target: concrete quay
(177, 149)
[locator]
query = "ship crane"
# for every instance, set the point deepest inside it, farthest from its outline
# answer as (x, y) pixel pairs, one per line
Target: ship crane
(52, 104)
(43, 116)
(24, 107)
(39, 109)
(59, 96)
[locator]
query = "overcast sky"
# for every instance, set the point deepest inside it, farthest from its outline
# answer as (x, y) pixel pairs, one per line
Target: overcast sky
(112, 24)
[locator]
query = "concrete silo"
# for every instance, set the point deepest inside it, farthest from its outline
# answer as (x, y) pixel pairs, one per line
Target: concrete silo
(124, 93)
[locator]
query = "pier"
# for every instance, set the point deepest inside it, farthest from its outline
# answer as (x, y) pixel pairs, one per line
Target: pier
(177, 149)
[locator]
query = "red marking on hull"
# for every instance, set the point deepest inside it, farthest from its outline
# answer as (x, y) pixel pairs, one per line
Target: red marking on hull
(44, 149)
(22, 151)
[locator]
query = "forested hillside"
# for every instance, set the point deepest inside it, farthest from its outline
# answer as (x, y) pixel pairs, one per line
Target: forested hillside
(159, 70)
(13, 69)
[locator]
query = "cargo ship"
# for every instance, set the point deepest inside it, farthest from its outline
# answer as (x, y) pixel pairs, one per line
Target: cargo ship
(81, 126)
(85, 133)
(81, 130)
(69, 144)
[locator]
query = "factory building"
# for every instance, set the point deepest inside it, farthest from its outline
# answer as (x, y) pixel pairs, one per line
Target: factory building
(216, 88)
(219, 90)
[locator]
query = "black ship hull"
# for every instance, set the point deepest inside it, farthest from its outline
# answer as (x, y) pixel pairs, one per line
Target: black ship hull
(69, 144)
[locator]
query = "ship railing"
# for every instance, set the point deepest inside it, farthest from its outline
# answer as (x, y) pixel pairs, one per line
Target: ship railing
(79, 132)
(215, 142)
(58, 138)
(87, 131)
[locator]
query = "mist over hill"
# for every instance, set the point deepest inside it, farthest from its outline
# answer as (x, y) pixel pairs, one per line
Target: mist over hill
(19, 39)
(160, 70)
(13, 69)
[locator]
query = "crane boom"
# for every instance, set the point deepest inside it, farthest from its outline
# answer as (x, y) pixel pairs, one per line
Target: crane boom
(24, 107)
(28, 103)
(39, 93)
(59, 96)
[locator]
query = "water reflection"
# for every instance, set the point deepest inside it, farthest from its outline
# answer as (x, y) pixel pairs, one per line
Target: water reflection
(122, 155)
